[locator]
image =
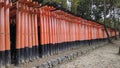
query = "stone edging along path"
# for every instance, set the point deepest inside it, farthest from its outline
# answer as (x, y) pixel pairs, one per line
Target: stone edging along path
(69, 57)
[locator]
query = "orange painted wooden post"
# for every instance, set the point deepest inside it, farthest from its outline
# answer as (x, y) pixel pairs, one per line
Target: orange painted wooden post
(100, 33)
(63, 33)
(36, 35)
(76, 27)
(50, 31)
(78, 31)
(54, 36)
(90, 33)
(97, 33)
(45, 32)
(84, 31)
(42, 38)
(82, 35)
(94, 34)
(60, 33)
(2, 36)
(57, 30)
(55, 22)
(87, 32)
(26, 34)
(72, 33)
(7, 33)
(81, 32)
(28, 29)
(75, 32)
(94, 31)
(67, 33)
(22, 34)
(33, 33)
(77, 24)
(30, 35)
(18, 35)
(57, 25)
(55, 33)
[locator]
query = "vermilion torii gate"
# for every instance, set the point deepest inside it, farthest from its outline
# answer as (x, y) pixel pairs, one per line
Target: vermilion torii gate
(29, 31)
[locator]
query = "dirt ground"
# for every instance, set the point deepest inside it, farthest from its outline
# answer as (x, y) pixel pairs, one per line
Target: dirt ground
(103, 57)
(39, 61)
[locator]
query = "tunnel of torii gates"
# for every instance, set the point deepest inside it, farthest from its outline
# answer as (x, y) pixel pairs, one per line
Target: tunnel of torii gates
(29, 32)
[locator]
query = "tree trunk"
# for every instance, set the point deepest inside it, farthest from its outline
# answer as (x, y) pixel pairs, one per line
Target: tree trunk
(108, 36)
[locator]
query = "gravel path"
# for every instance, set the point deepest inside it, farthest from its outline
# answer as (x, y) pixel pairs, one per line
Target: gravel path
(104, 57)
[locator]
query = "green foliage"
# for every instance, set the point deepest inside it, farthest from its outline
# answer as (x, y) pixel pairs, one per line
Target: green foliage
(85, 8)
(74, 5)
